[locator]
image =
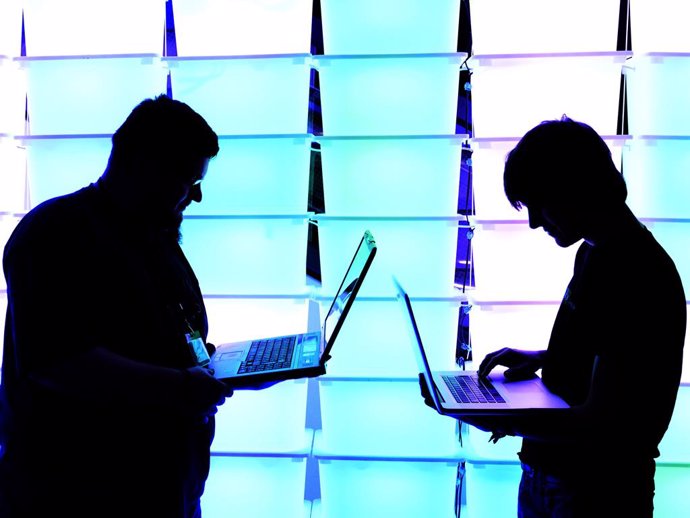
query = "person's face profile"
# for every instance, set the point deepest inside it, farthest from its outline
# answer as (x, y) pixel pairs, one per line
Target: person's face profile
(556, 220)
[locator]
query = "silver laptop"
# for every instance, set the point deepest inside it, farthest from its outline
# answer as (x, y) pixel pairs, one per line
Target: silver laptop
(301, 355)
(461, 392)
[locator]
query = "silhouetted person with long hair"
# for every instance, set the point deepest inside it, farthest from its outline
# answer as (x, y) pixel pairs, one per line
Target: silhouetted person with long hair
(616, 347)
(106, 409)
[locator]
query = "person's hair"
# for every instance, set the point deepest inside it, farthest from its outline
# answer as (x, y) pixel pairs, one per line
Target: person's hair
(565, 161)
(165, 130)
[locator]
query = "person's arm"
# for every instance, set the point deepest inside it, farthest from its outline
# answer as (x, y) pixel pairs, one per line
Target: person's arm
(101, 376)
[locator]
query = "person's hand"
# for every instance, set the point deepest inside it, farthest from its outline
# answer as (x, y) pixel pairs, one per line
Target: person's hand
(258, 386)
(424, 389)
(203, 393)
(521, 365)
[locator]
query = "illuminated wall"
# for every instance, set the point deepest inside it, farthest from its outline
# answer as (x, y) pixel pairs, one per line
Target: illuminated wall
(390, 156)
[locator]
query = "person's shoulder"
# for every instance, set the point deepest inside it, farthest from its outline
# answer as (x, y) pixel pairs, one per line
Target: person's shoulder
(54, 218)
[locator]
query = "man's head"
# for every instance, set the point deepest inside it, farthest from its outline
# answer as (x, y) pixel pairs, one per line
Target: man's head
(561, 170)
(159, 155)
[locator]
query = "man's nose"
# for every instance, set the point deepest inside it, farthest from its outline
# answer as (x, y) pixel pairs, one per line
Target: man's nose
(534, 219)
(195, 193)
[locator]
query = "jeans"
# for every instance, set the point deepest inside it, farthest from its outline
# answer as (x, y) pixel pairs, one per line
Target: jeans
(596, 493)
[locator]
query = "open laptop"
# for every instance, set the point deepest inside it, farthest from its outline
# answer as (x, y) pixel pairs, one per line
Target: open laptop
(301, 355)
(461, 392)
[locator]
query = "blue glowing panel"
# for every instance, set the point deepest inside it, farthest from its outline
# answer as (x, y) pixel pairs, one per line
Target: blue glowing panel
(376, 330)
(54, 171)
(389, 95)
(247, 255)
(255, 487)
(416, 176)
(492, 489)
(382, 418)
(88, 95)
(242, 27)
(658, 102)
(85, 27)
(420, 252)
(387, 488)
(257, 175)
(529, 26)
(656, 173)
(390, 26)
(237, 96)
(244, 423)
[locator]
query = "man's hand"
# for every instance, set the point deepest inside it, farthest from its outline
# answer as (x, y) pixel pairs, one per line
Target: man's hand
(521, 365)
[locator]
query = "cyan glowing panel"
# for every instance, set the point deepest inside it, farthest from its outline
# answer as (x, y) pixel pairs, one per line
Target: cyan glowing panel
(88, 95)
(233, 319)
(12, 176)
(242, 27)
(513, 262)
(674, 236)
(10, 28)
(659, 26)
(12, 97)
(248, 420)
(513, 93)
(521, 326)
(255, 487)
(385, 418)
(657, 173)
(376, 330)
(390, 26)
(658, 101)
(671, 491)
(237, 255)
(387, 488)
(391, 176)
(529, 26)
(479, 448)
(257, 175)
(389, 95)
(419, 251)
(491, 489)
(246, 95)
(85, 27)
(53, 170)
(488, 163)
(674, 445)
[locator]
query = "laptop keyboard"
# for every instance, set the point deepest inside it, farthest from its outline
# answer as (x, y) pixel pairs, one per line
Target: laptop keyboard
(471, 389)
(267, 355)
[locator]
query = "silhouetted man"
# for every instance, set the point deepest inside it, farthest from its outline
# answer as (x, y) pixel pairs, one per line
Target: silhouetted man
(106, 410)
(616, 347)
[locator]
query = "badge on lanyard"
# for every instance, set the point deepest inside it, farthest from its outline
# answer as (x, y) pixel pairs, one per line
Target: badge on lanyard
(196, 345)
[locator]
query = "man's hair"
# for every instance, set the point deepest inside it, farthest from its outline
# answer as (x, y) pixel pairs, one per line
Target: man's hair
(564, 161)
(165, 130)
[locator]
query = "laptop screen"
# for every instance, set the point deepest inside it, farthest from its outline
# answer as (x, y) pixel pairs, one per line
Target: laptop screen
(349, 287)
(416, 341)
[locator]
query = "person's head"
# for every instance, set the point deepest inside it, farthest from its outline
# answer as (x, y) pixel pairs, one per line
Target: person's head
(159, 155)
(562, 171)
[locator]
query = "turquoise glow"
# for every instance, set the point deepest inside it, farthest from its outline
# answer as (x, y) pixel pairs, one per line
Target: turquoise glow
(391, 176)
(88, 95)
(389, 95)
(389, 26)
(257, 96)
(53, 171)
(257, 175)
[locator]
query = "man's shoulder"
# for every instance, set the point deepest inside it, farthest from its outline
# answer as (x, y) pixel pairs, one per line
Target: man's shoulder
(54, 219)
